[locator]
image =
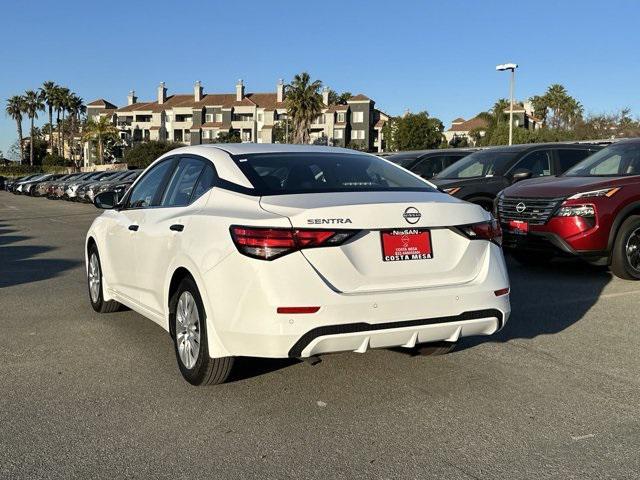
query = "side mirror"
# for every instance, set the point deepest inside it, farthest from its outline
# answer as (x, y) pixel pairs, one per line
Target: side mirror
(521, 174)
(106, 200)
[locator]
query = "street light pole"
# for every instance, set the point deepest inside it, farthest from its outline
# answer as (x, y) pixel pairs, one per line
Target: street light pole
(512, 67)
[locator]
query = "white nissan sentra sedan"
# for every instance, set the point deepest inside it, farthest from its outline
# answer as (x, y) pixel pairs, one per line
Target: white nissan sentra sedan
(294, 251)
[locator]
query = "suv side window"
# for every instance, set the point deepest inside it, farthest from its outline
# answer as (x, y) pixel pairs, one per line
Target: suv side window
(538, 162)
(182, 183)
(451, 159)
(568, 158)
(147, 192)
(428, 167)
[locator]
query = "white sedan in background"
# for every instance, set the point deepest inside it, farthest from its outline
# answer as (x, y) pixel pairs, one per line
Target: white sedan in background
(294, 251)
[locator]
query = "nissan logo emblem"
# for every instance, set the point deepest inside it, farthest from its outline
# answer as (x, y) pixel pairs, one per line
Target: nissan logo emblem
(521, 207)
(412, 215)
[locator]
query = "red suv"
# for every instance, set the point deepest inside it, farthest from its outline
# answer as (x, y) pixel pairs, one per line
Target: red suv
(591, 211)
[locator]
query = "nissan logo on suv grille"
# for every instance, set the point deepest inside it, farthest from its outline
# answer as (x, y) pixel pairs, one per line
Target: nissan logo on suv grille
(521, 207)
(412, 215)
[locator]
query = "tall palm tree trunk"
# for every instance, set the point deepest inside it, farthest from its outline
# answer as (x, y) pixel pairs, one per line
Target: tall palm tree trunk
(19, 125)
(51, 129)
(31, 145)
(100, 152)
(60, 152)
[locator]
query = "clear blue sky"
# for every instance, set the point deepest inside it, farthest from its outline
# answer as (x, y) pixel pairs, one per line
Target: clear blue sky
(421, 55)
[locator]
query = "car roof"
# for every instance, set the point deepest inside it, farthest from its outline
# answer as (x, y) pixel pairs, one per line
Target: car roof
(521, 147)
(420, 153)
(250, 148)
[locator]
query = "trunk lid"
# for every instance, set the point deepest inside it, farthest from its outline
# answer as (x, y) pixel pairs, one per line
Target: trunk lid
(357, 266)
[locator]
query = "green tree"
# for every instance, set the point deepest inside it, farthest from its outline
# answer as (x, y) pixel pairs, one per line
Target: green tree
(143, 154)
(556, 108)
(100, 131)
(49, 91)
(76, 110)
(304, 103)
(15, 108)
(339, 99)
(34, 102)
(280, 132)
(413, 131)
(232, 136)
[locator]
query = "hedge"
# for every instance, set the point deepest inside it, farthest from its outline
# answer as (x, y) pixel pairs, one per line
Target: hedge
(21, 170)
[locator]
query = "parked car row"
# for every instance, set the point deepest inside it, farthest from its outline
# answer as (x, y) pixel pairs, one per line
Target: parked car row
(81, 187)
(558, 199)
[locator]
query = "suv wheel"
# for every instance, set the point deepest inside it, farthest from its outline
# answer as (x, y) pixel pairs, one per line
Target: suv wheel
(625, 257)
(94, 282)
(189, 328)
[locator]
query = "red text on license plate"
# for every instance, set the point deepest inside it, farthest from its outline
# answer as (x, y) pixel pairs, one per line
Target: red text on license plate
(406, 244)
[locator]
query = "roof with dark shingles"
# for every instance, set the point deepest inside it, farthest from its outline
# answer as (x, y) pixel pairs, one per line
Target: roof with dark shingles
(101, 102)
(469, 125)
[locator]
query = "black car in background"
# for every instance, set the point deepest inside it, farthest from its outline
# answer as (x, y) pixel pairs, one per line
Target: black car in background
(480, 176)
(428, 163)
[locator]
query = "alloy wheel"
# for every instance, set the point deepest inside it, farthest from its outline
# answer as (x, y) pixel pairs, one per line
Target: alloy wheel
(187, 329)
(94, 278)
(632, 250)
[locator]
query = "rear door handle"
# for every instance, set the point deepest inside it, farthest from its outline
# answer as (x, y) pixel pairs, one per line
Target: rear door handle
(133, 228)
(176, 227)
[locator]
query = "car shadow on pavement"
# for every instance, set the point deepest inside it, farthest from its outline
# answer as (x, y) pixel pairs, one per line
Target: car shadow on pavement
(20, 264)
(250, 367)
(547, 299)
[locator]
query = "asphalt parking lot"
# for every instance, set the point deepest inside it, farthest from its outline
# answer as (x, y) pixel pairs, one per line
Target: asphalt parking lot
(82, 395)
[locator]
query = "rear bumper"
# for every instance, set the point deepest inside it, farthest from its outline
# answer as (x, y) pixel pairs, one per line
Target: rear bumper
(245, 321)
(359, 337)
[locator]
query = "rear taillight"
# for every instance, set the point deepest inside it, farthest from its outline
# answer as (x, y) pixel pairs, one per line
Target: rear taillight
(270, 243)
(483, 231)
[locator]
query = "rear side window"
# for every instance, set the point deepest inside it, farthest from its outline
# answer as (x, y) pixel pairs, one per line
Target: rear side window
(205, 182)
(428, 167)
(568, 158)
(146, 192)
(288, 173)
(182, 183)
(539, 163)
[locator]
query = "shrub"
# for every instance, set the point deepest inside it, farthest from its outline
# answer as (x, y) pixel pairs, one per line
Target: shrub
(56, 160)
(143, 154)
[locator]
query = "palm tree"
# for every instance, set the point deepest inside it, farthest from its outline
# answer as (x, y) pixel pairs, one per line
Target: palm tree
(15, 108)
(76, 109)
(63, 104)
(48, 89)
(100, 130)
(304, 104)
(34, 102)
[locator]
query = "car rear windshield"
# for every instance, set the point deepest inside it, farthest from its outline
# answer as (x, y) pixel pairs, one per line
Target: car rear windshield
(402, 160)
(616, 160)
(289, 173)
(479, 164)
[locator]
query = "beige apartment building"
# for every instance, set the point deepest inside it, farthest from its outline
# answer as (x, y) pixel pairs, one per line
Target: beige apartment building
(198, 118)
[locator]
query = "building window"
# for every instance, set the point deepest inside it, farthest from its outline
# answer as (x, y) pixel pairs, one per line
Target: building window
(206, 134)
(357, 117)
(341, 117)
(218, 117)
(208, 117)
(338, 134)
(259, 117)
(357, 135)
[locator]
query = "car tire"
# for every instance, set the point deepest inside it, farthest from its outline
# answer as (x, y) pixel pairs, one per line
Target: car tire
(189, 331)
(435, 348)
(94, 284)
(625, 257)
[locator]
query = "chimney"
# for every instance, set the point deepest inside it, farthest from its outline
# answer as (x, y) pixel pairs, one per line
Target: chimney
(280, 91)
(239, 91)
(197, 91)
(131, 98)
(162, 93)
(325, 96)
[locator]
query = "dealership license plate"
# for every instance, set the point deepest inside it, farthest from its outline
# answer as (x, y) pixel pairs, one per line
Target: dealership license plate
(518, 227)
(406, 244)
